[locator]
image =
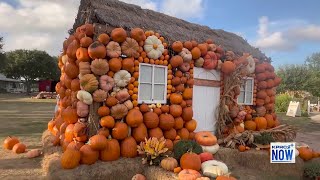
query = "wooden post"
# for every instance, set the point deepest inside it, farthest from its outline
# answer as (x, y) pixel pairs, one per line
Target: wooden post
(93, 120)
(308, 107)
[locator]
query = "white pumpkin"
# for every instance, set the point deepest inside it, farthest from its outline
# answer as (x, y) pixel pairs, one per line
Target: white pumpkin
(219, 64)
(186, 55)
(211, 149)
(122, 78)
(297, 152)
(251, 65)
(153, 47)
(84, 97)
(214, 168)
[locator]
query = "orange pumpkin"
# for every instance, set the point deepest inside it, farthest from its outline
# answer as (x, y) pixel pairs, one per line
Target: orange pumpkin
(115, 64)
(104, 38)
(140, 133)
(87, 29)
(128, 64)
(111, 152)
(169, 144)
(104, 131)
(166, 121)
(190, 161)
(103, 111)
(111, 101)
(85, 42)
(75, 145)
(70, 159)
(205, 138)
(175, 98)
(228, 67)
(261, 123)
(188, 174)
(250, 125)
(187, 114)
(187, 93)
(138, 34)
(107, 122)
(71, 70)
(183, 133)
(203, 49)
(98, 142)
(151, 120)
(119, 35)
(82, 55)
(88, 155)
(120, 131)
(305, 153)
(176, 61)
(188, 45)
(128, 147)
(97, 50)
(241, 148)
(170, 134)
(144, 108)
(69, 115)
(157, 111)
(191, 125)
(225, 178)
(196, 53)
(177, 46)
(155, 132)
(19, 148)
(175, 110)
(165, 108)
(178, 123)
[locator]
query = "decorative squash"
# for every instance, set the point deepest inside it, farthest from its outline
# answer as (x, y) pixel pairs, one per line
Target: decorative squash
(175, 110)
(89, 83)
(205, 138)
(120, 131)
(33, 153)
(205, 156)
(261, 111)
(176, 61)
(122, 78)
(82, 109)
(130, 48)
(69, 115)
(187, 114)
(85, 42)
(129, 147)
(111, 152)
(97, 50)
(213, 168)
(82, 55)
(210, 60)
(188, 174)
(128, 64)
(107, 122)
(113, 49)
(138, 34)
(122, 95)
(19, 148)
(71, 70)
(175, 98)
(196, 53)
(153, 47)
(169, 163)
(128, 104)
(166, 121)
(140, 133)
(119, 35)
(186, 55)
(9, 142)
(119, 111)
(98, 142)
(211, 149)
(84, 68)
(199, 62)
(190, 161)
(111, 101)
(99, 95)
(151, 120)
(134, 118)
(170, 134)
(155, 132)
(88, 155)
(184, 67)
(106, 83)
(70, 159)
(261, 123)
(84, 97)
(99, 66)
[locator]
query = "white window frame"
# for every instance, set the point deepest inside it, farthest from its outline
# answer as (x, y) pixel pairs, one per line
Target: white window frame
(152, 101)
(246, 92)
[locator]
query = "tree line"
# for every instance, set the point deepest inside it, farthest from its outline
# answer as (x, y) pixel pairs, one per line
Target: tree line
(302, 77)
(31, 65)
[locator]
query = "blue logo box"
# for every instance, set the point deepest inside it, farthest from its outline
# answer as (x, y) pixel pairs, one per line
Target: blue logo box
(282, 152)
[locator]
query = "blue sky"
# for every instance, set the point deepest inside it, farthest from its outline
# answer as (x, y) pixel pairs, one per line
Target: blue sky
(287, 31)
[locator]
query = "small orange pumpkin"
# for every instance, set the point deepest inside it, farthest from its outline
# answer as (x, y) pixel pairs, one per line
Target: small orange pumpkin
(205, 138)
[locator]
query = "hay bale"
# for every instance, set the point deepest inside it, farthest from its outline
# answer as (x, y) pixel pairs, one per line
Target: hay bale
(253, 159)
(155, 173)
(47, 146)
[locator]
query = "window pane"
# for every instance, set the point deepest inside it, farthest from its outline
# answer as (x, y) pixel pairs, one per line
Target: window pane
(241, 97)
(159, 75)
(145, 92)
(159, 91)
(248, 97)
(249, 85)
(145, 74)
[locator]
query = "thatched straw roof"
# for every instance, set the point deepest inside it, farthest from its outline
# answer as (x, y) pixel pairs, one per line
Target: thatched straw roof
(114, 13)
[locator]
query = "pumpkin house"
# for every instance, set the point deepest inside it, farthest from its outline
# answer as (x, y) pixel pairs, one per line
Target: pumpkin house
(130, 73)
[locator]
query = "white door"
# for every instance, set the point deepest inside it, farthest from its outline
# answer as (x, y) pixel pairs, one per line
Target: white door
(206, 97)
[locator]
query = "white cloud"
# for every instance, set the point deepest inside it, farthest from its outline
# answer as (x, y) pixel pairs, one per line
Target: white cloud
(183, 9)
(145, 4)
(35, 24)
(286, 35)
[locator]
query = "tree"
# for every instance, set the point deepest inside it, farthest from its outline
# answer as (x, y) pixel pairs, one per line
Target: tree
(31, 65)
(313, 61)
(2, 56)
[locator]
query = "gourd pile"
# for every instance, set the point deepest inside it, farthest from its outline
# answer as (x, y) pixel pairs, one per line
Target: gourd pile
(103, 69)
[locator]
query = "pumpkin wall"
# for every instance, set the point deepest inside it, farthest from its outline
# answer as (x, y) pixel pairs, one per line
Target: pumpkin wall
(99, 88)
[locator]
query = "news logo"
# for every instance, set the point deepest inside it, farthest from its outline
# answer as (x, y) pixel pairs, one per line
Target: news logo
(282, 152)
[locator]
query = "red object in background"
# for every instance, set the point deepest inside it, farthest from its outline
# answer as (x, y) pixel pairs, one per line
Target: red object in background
(44, 85)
